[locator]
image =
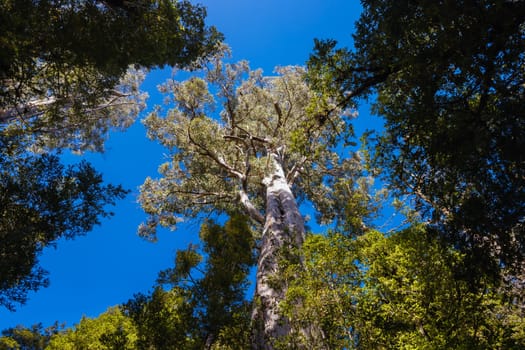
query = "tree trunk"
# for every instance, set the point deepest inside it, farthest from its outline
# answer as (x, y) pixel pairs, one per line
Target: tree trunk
(27, 110)
(284, 228)
(37, 107)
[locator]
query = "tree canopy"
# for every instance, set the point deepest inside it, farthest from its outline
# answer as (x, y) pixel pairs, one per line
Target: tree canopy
(447, 76)
(272, 145)
(62, 63)
(201, 302)
(400, 291)
(219, 161)
(369, 292)
(70, 72)
(35, 337)
(110, 330)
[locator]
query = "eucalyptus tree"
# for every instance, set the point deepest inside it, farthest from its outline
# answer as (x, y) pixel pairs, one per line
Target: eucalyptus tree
(448, 77)
(271, 145)
(63, 63)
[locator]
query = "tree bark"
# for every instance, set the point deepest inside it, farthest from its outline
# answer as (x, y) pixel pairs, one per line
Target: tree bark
(284, 228)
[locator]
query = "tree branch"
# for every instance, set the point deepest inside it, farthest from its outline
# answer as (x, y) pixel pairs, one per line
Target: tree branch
(295, 171)
(250, 208)
(217, 159)
(28, 109)
(38, 107)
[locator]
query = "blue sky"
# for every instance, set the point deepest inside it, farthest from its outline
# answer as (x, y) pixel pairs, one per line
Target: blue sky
(111, 263)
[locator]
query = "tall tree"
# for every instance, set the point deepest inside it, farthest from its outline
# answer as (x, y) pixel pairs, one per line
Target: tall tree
(448, 78)
(62, 63)
(163, 319)
(200, 302)
(41, 201)
(271, 145)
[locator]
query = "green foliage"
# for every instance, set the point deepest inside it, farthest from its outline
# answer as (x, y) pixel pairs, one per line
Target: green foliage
(42, 201)
(221, 130)
(396, 292)
(112, 330)
(205, 311)
(21, 338)
(63, 63)
(320, 298)
(412, 297)
(110, 35)
(448, 80)
(368, 292)
(163, 319)
(70, 71)
(221, 291)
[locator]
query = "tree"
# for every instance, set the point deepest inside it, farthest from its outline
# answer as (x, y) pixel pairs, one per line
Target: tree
(70, 71)
(112, 330)
(163, 319)
(200, 305)
(62, 63)
(322, 297)
(42, 201)
(219, 295)
(400, 291)
(35, 337)
(272, 145)
(447, 76)
(414, 295)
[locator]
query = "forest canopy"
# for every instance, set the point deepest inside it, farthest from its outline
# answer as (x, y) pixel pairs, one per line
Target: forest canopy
(70, 72)
(447, 77)
(63, 63)
(257, 160)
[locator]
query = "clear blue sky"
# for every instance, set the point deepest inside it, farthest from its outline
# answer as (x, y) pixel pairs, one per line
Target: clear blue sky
(110, 264)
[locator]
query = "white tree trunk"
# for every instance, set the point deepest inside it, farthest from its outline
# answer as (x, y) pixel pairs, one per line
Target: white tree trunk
(40, 106)
(27, 110)
(284, 227)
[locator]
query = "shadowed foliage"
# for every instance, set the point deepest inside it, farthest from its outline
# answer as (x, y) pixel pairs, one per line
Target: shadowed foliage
(447, 77)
